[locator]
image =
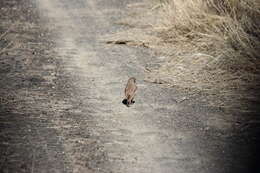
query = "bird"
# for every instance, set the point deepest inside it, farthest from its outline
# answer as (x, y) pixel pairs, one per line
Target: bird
(130, 91)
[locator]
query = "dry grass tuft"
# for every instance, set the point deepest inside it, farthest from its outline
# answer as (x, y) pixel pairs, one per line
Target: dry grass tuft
(213, 44)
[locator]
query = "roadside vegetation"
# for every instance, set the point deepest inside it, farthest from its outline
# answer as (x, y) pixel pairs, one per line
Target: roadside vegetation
(217, 42)
(208, 46)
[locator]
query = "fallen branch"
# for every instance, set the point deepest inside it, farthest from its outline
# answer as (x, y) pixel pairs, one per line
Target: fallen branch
(128, 42)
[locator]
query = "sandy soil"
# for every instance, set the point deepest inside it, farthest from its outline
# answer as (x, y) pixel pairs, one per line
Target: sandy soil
(61, 93)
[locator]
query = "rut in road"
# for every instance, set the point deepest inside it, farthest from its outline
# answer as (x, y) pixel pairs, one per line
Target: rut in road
(142, 138)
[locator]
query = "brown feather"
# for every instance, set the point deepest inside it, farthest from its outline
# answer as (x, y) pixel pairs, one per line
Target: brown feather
(130, 90)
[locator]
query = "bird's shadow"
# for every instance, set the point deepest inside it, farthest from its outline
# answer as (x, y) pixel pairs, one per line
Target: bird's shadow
(125, 102)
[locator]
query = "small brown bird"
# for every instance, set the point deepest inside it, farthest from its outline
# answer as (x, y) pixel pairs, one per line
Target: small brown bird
(130, 90)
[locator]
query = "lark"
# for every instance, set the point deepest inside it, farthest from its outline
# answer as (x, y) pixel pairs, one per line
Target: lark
(130, 90)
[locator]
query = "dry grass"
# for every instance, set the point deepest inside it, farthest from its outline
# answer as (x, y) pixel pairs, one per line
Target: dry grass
(213, 45)
(214, 25)
(209, 46)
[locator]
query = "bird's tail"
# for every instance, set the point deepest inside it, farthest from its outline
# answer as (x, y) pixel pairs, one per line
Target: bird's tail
(128, 99)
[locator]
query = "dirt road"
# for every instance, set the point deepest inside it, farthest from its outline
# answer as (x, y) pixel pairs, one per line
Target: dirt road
(86, 128)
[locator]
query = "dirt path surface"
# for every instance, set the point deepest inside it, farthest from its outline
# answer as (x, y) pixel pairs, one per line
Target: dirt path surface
(86, 128)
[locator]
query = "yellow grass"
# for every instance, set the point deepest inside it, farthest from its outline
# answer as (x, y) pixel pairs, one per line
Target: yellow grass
(214, 44)
(210, 46)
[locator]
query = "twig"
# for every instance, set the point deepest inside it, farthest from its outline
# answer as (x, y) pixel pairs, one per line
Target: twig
(5, 48)
(4, 34)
